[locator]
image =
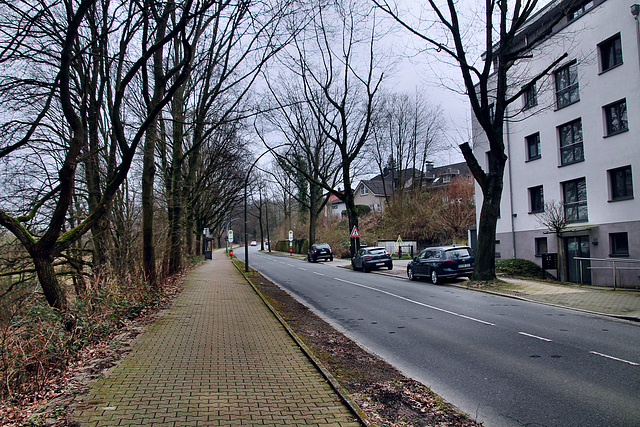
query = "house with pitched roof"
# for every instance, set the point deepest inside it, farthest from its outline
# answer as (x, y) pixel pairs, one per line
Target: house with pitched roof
(378, 191)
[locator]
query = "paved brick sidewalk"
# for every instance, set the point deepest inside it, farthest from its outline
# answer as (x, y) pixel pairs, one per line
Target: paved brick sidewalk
(620, 302)
(217, 358)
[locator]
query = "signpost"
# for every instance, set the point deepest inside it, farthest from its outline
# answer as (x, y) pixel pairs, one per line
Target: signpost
(291, 242)
(230, 238)
(355, 239)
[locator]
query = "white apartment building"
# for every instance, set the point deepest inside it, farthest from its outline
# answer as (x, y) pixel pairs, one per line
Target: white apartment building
(574, 139)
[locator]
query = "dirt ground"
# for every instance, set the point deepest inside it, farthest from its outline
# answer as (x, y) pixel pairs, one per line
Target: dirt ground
(387, 397)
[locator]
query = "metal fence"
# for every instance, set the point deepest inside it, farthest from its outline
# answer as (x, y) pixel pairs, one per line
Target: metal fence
(613, 263)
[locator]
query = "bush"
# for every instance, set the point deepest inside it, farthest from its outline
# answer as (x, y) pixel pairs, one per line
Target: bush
(37, 342)
(519, 268)
(363, 209)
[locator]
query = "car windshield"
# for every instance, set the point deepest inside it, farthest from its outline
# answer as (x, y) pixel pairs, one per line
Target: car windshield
(322, 246)
(457, 253)
(377, 251)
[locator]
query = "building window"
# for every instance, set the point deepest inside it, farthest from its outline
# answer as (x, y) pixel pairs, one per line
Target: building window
(575, 200)
(541, 246)
(533, 146)
(620, 184)
(446, 179)
(536, 199)
(530, 96)
(364, 190)
(571, 149)
(567, 90)
(618, 244)
(615, 116)
(610, 53)
(498, 255)
(580, 10)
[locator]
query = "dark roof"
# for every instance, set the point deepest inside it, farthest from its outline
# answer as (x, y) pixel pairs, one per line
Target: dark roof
(432, 176)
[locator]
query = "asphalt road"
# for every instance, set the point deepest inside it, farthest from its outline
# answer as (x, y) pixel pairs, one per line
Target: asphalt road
(503, 361)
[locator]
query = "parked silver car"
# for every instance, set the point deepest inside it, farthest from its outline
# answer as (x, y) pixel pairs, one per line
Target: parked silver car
(371, 258)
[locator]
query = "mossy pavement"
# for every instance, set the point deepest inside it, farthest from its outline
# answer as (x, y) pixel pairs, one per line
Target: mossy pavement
(218, 357)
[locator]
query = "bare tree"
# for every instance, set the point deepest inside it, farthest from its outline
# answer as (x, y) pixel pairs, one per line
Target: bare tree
(407, 133)
(235, 42)
(487, 86)
(334, 65)
(554, 219)
(49, 43)
(307, 153)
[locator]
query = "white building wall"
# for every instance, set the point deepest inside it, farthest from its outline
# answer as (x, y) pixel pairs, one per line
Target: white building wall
(517, 227)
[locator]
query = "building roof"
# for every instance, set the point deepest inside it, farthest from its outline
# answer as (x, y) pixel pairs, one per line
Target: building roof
(433, 176)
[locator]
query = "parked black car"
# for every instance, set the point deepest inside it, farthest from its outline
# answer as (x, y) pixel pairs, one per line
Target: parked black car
(442, 262)
(319, 251)
(371, 258)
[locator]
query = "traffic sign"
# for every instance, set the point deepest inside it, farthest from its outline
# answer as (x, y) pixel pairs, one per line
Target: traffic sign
(290, 235)
(354, 232)
(231, 236)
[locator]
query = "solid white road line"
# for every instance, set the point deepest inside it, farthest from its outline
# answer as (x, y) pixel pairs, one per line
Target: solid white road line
(535, 336)
(416, 302)
(615, 358)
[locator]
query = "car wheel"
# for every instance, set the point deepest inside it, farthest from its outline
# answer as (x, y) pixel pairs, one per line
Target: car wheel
(364, 268)
(410, 274)
(330, 258)
(308, 258)
(353, 266)
(434, 277)
(390, 266)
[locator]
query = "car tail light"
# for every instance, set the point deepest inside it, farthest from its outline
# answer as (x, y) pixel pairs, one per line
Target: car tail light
(447, 261)
(367, 257)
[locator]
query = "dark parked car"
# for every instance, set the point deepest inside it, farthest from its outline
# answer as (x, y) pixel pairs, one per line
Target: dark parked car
(319, 251)
(370, 258)
(442, 262)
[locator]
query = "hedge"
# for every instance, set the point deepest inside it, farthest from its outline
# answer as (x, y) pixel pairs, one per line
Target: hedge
(300, 246)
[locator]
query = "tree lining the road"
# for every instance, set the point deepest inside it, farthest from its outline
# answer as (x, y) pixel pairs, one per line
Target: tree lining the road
(338, 91)
(486, 83)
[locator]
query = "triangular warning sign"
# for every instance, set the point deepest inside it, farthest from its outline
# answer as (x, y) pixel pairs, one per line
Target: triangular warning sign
(354, 232)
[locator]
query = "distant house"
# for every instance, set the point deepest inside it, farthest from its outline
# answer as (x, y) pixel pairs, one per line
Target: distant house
(376, 191)
(334, 207)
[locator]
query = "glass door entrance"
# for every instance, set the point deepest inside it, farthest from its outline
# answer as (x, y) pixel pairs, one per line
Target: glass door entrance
(577, 247)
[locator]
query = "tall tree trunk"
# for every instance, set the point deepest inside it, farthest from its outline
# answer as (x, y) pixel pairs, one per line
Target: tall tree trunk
(194, 158)
(148, 178)
(148, 160)
(53, 291)
(491, 184)
(177, 188)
